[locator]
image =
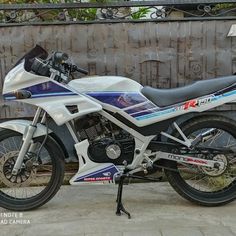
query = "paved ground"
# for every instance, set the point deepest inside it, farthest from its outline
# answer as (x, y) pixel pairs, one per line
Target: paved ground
(156, 210)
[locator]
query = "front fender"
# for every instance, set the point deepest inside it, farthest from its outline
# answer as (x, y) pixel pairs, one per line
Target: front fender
(20, 126)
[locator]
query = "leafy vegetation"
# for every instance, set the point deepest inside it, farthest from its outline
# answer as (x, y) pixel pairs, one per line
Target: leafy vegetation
(141, 13)
(224, 6)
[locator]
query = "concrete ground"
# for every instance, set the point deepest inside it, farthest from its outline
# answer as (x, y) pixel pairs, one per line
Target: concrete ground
(90, 210)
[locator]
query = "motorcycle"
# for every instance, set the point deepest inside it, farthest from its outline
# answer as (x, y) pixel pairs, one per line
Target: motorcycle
(121, 131)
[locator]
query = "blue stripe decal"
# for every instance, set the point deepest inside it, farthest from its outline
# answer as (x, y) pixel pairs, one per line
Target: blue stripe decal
(177, 107)
(119, 99)
(42, 96)
(104, 169)
(156, 114)
(46, 89)
(149, 110)
(141, 108)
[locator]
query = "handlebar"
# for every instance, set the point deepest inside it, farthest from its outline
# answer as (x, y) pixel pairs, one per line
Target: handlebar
(40, 68)
(57, 62)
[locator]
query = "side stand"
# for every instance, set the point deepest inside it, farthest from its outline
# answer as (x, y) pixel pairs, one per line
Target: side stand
(120, 208)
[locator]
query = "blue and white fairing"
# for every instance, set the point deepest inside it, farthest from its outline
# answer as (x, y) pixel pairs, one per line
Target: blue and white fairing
(117, 94)
(48, 94)
(122, 95)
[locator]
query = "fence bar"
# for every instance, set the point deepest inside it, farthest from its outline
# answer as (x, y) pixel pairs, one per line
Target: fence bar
(46, 6)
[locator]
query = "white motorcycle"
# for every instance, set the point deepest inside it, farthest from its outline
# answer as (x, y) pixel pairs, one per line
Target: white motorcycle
(121, 130)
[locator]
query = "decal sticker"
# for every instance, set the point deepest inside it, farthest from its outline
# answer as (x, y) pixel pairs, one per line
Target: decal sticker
(187, 159)
(191, 103)
(105, 174)
(140, 108)
(194, 103)
(119, 99)
(46, 89)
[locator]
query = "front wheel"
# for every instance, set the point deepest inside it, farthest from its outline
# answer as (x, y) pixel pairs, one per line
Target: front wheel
(201, 185)
(39, 178)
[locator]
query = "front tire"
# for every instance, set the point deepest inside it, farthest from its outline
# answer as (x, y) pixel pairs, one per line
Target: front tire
(43, 178)
(214, 190)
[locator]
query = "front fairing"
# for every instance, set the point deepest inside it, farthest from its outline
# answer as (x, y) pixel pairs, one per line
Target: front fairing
(19, 78)
(29, 57)
(51, 96)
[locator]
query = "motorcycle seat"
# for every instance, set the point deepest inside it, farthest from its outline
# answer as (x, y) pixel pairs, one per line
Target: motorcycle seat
(167, 97)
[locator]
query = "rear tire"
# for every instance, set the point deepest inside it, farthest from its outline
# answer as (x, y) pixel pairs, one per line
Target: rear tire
(56, 166)
(183, 185)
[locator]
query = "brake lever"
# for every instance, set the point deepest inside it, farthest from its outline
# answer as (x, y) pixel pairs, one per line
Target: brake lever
(72, 68)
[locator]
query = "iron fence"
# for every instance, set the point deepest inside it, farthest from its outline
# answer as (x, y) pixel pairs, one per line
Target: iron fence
(116, 11)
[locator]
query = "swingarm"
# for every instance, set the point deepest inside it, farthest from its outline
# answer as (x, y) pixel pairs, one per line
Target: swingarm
(188, 160)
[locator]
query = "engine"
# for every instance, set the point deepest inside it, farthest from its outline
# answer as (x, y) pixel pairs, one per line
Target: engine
(108, 143)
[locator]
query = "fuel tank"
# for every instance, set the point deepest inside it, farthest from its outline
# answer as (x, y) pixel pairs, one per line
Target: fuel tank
(105, 84)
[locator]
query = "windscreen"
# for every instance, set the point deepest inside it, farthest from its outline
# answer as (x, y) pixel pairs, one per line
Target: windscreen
(37, 51)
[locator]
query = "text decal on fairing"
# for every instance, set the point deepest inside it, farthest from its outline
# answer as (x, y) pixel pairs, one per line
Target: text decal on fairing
(195, 103)
(102, 174)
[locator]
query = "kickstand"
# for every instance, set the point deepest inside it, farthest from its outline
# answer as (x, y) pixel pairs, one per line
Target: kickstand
(120, 208)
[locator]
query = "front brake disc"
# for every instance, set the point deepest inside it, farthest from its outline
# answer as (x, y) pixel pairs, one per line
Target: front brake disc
(22, 179)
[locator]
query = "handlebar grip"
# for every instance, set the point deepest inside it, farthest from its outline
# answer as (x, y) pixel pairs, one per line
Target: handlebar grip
(59, 57)
(82, 71)
(39, 68)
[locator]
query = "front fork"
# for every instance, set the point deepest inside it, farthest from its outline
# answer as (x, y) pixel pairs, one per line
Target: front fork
(27, 144)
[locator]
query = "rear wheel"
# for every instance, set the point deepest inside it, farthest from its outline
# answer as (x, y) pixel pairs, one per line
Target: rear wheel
(201, 185)
(39, 178)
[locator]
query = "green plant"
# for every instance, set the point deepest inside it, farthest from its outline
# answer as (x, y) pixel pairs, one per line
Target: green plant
(141, 13)
(83, 14)
(224, 6)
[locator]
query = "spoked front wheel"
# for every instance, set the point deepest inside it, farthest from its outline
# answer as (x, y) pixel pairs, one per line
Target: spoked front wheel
(39, 178)
(202, 185)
